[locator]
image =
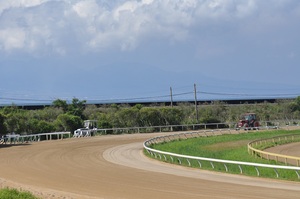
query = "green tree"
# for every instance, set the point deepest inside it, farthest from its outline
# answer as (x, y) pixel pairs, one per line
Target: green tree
(61, 104)
(171, 116)
(150, 116)
(35, 126)
(295, 105)
(188, 113)
(77, 107)
(3, 128)
(16, 122)
(103, 121)
(48, 114)
(45, 127)
(207, 116)
(68, 122)
(91, 112)
(128, 117)
(32, 126)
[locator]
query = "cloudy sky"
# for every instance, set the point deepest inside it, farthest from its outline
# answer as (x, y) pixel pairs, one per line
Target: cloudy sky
(138, 49)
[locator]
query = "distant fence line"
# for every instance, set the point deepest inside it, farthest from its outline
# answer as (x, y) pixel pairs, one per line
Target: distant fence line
(18, 139)
(188, 127)
(186, 135)
(147, 129)
(278, 157)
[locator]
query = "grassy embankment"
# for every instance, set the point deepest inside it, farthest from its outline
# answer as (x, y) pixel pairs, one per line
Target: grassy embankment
(228, 147)
(8, 193)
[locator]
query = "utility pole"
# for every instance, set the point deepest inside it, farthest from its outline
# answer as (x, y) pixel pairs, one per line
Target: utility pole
(171, 94)
(196, 107)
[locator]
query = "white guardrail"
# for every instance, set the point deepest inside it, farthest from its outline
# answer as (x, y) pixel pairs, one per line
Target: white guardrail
(16, 138)
(192, 127)
(187, 135)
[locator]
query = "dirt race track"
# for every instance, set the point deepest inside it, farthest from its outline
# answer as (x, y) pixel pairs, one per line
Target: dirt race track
(113, 167)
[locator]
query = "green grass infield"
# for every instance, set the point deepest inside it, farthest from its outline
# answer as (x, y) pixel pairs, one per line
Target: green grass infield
(226, 147)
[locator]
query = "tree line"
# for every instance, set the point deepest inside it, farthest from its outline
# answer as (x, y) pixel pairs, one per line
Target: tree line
(63, 116)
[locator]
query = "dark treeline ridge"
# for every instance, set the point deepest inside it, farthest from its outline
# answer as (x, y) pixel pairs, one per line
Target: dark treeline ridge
(166, 103)
(64, 116)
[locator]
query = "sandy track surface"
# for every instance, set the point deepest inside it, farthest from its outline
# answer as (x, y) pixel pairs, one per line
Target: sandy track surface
(114, 167)
(291, 149)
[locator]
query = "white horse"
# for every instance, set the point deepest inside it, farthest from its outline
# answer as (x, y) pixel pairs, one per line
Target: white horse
(82, 132)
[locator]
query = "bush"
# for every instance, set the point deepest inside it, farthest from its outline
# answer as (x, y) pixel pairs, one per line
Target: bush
(8, 193)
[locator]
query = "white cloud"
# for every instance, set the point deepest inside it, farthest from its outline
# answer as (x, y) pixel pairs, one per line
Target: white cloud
(60, 26)
(87, 9)
(225, 10)
(12, 38)
(129, 6)
(4, 5)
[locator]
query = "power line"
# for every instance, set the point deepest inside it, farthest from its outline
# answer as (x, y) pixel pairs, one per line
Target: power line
(244, 94)
(154, 97)
(24, 99)
(143, 98)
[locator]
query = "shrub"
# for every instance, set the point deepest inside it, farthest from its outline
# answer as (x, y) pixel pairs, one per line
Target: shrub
(8, 193)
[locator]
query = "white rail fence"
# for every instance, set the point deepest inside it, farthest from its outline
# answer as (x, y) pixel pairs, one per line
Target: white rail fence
(192, 127)
(19, 139)
(180, 158)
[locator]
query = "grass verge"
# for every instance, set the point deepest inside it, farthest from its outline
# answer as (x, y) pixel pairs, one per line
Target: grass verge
(8, 193)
